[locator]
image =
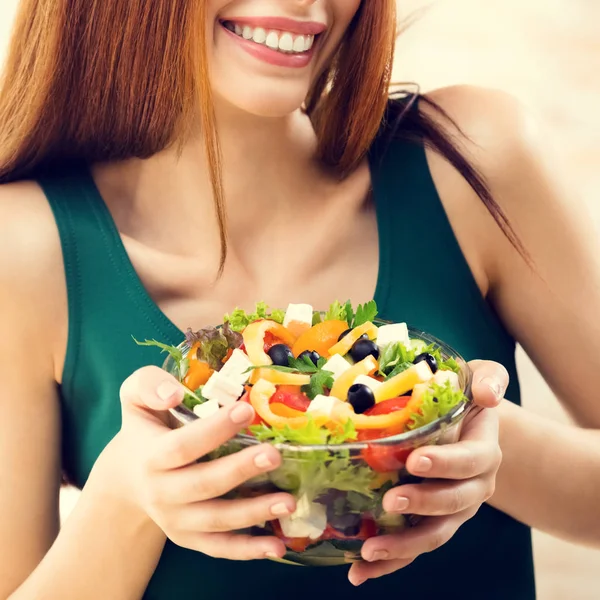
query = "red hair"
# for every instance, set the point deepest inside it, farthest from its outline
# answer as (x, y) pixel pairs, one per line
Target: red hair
(108, 80)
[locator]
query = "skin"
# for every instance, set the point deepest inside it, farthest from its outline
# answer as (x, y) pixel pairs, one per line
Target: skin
(159, 204)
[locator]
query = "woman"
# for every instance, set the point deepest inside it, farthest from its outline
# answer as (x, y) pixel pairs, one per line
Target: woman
(158, 171)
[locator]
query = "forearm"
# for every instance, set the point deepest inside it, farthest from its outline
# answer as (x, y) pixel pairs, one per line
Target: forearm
(550, 475)
(105, 550)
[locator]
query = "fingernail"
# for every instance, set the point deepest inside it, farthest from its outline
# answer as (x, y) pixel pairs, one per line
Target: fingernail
(280, 510)
(401, 503)
(166, 390)
(494, 386)
(241, 413)
(262, 461)
(379, 555)
(424, 464)
(356, 581)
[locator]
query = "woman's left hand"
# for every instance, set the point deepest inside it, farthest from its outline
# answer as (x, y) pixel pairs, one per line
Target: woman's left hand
(463, 478)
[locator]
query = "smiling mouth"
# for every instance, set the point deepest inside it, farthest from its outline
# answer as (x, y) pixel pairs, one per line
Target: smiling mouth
(285, 42)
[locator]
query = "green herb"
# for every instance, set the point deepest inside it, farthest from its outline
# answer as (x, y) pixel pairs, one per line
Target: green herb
(239, 319)
(436, 402)
(193, 399)
(316, 318)
(336, 312)
(349, 313)
(365, 313)
(297, 365)
(181, 362)
(319, 382)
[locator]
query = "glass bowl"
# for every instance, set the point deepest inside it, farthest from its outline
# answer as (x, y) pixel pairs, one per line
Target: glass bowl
(342, 485)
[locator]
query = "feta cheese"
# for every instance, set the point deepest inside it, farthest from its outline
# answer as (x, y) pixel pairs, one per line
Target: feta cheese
(337, 365)
(298, 313)
(392, 334)
(235, 368)
(441, 377)
(208, 409)
(370, 382)
(324, 405)
(308, 520)
(422, 371)
(222, 389)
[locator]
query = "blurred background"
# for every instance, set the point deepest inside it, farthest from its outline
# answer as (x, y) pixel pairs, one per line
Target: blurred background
(547, 53)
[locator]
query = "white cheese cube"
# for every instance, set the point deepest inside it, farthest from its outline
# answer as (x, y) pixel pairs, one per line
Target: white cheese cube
(223, 390)
(337, 365)
(298, 313)
(208, 409)
(423, 371)
(235, 368)
(441, 377)
(309, 520)
(370, 382)
(392, 334)
(324, 405)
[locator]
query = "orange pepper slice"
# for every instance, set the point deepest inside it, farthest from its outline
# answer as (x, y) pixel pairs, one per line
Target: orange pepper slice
(320, 337)
(198, 372)
(281, 410)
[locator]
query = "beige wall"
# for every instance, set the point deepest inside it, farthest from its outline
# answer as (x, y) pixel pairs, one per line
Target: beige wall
(547, 52)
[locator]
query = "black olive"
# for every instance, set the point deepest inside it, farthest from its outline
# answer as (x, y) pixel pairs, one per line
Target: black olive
(364, 348)
(364, 336)
(280, 354)
(429, 359)
(361, 397)
(314, 356)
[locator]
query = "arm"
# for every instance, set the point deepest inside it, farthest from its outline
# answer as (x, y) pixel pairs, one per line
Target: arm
(35, 560)
(550, 475)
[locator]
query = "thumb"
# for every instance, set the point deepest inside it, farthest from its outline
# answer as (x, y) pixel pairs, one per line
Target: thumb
(150, 388)
(490, 380)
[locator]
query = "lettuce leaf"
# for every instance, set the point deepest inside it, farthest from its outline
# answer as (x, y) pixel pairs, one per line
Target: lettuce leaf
(239, 319)
(308, 435)
(344, 312)
(437, 402)
(214, 343)
(395, 358)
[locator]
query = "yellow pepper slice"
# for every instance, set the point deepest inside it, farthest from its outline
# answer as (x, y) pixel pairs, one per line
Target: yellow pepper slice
(259, 398)
(344, 345)
(344, 382)
(403, 382)
(254, 340)
(394, 420)
(279, 377)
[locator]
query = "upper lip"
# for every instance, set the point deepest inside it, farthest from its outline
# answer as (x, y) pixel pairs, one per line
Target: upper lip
(281, 24)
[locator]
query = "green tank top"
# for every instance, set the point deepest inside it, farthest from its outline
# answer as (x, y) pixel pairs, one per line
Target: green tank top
(490, 558)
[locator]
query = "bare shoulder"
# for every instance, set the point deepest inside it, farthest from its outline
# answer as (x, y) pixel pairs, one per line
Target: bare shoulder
(32, 286)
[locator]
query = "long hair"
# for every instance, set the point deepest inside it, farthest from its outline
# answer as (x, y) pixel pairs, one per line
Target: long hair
(107, 80)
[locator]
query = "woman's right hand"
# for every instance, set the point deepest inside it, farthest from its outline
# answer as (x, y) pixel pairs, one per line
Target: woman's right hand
(181, 496)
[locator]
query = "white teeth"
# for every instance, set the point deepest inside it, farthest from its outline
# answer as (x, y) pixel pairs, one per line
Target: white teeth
(276, 40)
(260, 35)
(272, 40)
(286, 42)
(299, 44)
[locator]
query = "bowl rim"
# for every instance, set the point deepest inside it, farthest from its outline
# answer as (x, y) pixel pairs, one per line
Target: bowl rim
(407, 439)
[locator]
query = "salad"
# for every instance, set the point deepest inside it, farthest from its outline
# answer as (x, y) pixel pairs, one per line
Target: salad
(334, 391)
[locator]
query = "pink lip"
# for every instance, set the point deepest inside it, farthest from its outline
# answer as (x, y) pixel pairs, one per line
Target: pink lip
(281, 24)
(272, 57)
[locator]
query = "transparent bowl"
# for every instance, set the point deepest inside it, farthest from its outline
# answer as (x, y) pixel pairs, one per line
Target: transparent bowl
(352, 505)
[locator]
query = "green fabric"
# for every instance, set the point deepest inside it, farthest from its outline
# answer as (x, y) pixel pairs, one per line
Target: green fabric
(430, 287)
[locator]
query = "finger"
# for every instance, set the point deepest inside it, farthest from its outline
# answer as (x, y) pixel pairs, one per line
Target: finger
(429, 535)
(437, 498)
(215, 478)
(490, 380)
(150, 388)
(478, 452)
(185, 445)
(216, 516)
(361, 571)
(232, 546)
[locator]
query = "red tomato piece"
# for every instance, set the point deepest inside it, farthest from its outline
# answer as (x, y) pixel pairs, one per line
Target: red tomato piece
(368, 529)
(388, 406)
(292, 397)
(270, 341)
(295, 544)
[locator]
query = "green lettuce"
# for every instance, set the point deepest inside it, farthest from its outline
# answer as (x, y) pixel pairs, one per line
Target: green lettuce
(437, 402)
(239, 319)
(214, 343)
(344, 312)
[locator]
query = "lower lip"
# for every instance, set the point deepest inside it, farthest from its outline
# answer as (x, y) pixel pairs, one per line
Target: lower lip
(270, 56)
